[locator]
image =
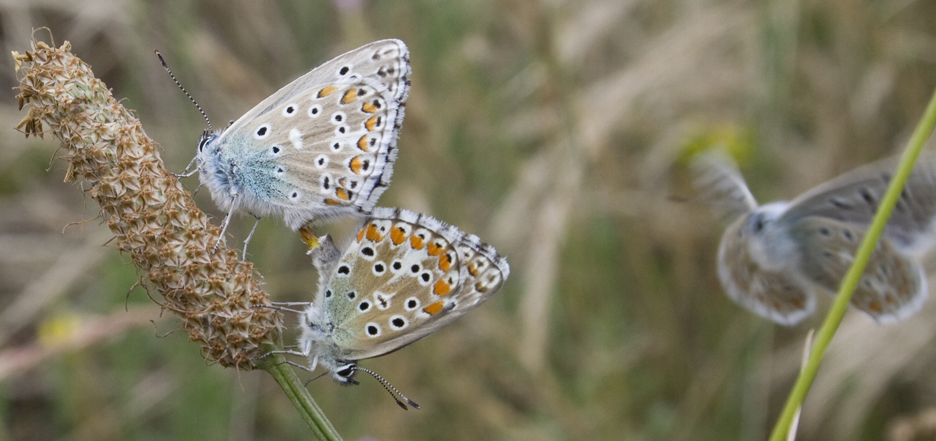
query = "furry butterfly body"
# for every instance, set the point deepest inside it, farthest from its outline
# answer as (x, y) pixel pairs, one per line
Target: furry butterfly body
(322, 146)
(772, 258)
(404, 276)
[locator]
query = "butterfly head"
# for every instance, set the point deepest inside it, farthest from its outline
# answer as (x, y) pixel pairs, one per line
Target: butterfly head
(218, 172)
(759, 222)
(206, 141)
(318, 337)
(767, 241)
(344, 373)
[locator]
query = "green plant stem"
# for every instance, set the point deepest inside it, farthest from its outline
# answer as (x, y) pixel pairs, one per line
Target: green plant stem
(300, 397)
(837, 312)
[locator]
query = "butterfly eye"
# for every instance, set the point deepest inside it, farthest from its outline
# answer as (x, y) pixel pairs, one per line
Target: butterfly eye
(346, 372)
(205, 139)
(756, 223)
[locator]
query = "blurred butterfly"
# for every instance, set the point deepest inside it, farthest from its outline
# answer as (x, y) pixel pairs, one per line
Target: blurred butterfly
(322, 146)
(404, 276)
(773, 257)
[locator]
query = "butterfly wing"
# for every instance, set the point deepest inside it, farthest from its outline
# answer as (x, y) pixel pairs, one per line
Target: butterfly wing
(893, 286)
(324, 144)
(719, 183)
(777, 295)
(403, 277)
(854, 197)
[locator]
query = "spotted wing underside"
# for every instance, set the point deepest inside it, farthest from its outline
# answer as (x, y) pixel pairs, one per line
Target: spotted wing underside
(410, 275)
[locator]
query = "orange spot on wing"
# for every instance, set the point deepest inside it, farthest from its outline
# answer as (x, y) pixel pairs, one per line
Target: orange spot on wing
(435, 250)
(349, 96)
(373, 234)
(342, 194)
(441, 288)
(369, 108)
(362, 143)
(434, 308)
(332, 202)
(356, 164)
(445, 262)
(360, 235)
(875, 306)
(370, 123)
(416, 242)
(327, 90)
(397, 235)
(473, 269)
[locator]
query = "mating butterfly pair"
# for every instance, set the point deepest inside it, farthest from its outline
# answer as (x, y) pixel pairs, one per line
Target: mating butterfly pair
(324, 146)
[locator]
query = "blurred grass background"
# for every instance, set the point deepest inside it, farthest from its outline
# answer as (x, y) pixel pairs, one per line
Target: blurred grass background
(551, 130)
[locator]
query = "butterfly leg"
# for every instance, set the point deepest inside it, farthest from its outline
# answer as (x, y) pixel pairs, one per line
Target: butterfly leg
(283, 307)
(296, 353)
(224, 224)
(290, 303)
(300, 366)
(303, 353)
(249, 236)
(188, 172)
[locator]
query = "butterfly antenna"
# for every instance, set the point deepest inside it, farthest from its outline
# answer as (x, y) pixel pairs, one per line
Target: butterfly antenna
(166, 66)
(390, 389)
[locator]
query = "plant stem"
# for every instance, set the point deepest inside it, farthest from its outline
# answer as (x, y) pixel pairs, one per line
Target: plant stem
(299, 396)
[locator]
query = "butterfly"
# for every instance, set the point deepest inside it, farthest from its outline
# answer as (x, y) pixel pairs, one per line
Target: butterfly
(403, 276)
(772, 258)
(323, 146)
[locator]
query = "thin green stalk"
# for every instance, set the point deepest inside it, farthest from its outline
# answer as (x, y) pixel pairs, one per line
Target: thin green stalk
(299, 396)
(837, 312)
